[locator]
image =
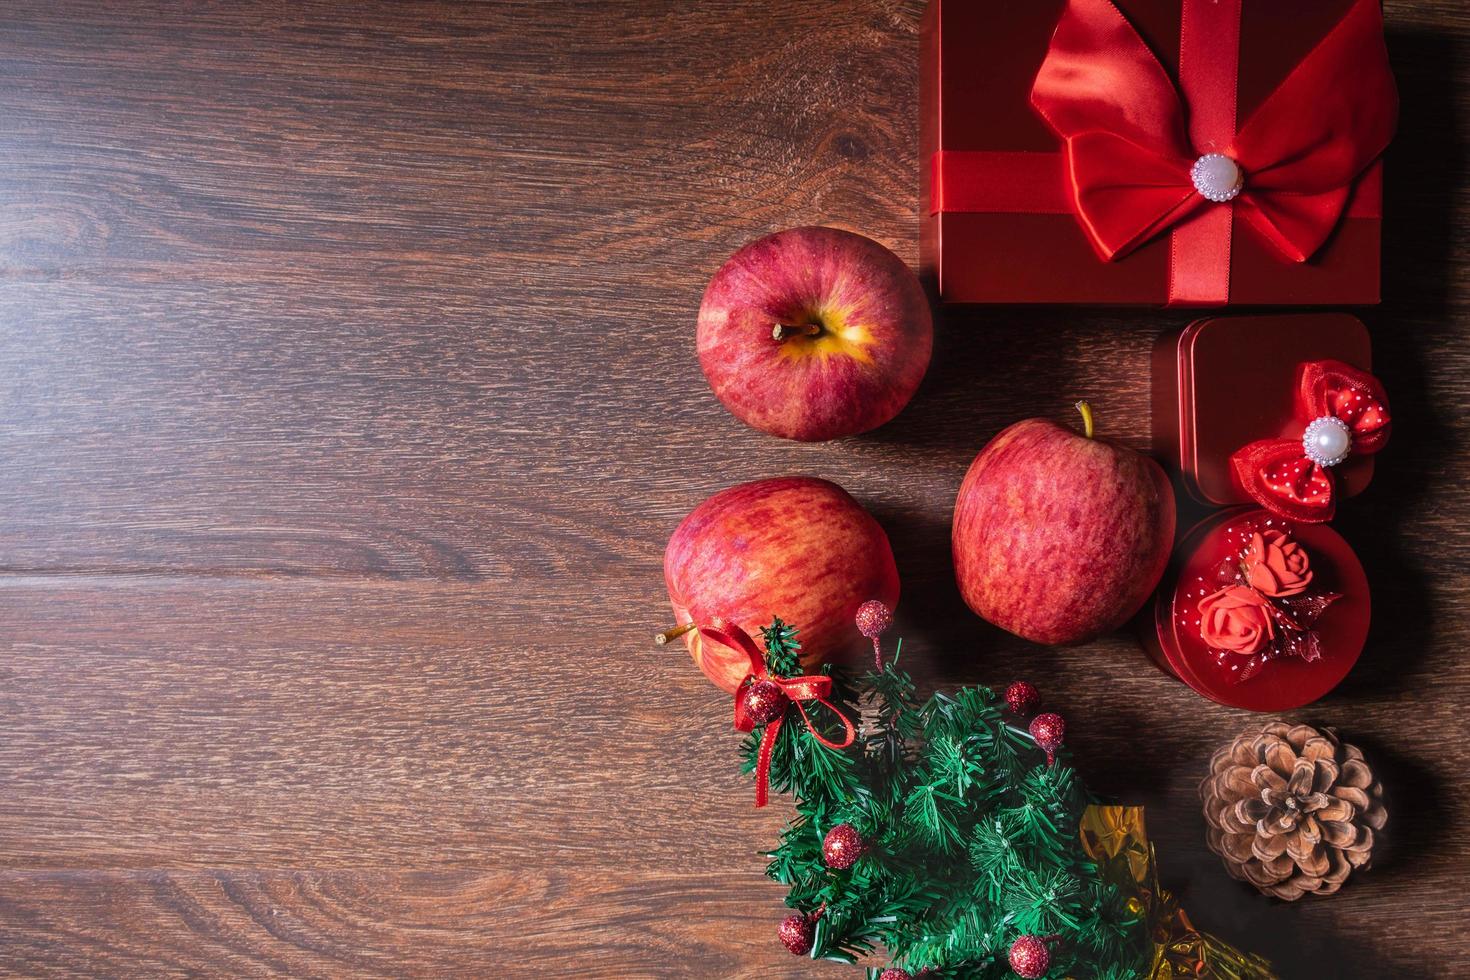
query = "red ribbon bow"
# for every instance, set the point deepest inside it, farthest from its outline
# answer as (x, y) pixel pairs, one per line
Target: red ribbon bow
(814, 687)
(1280, 475)
(1131, 137)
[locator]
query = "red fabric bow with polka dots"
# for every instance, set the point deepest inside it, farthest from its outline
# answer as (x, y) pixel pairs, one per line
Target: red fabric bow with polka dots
(815, 687)
(1342, 411)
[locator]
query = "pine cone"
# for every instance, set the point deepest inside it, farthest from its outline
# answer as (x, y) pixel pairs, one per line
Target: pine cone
(1291, 810)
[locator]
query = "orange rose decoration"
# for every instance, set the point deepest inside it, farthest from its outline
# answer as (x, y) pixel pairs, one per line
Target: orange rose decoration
(1237, 619)
(1277, 566)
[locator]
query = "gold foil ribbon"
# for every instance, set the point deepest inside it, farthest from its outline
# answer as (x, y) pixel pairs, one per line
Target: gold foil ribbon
(1115, 837)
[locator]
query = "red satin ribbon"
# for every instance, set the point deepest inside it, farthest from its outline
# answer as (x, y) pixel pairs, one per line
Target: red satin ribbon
(1277, 473)
(814, 687)
(1035, 182)
(1130, 138)
(1209, 67)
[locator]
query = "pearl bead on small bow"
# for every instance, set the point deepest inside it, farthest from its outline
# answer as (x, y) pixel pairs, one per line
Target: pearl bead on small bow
(1327, 441)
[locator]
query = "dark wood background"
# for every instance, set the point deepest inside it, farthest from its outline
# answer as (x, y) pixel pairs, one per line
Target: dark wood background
(349, 396)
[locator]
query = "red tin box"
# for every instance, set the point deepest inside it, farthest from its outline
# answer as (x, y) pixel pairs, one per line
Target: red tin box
(980, 58)
(1172, 636)
(1224, 382)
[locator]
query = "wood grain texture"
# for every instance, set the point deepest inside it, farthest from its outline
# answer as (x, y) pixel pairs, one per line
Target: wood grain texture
(347, 398)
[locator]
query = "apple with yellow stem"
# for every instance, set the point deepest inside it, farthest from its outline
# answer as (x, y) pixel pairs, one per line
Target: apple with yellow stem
(1060, 537)
(814, 334)
(796, 547)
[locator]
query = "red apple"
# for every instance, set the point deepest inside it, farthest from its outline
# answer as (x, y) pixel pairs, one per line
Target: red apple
(1060, 537)
(796, 547)
(814, 334)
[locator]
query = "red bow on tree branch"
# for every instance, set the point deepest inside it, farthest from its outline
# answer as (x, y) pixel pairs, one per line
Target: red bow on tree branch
(796, 690)
(1344, 411)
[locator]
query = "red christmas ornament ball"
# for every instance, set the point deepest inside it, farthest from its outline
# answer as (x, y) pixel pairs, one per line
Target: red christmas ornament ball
(874, 619)
(1022, 698)
(797, 933)
(842, 847)
(894, 973)
(765, 702)
(1048, 730)
(1030, 957)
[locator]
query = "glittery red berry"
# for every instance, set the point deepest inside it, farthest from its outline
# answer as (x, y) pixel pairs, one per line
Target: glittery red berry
(1048, 730)
(874, 619)
(797, 933)
(842, 847)
(1030, 957)
(1022, 698)
(894, 973)
(765, 702)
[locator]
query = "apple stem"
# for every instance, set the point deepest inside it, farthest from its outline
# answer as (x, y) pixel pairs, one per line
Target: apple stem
(672, 634)
(783, 330)
(1087, 425)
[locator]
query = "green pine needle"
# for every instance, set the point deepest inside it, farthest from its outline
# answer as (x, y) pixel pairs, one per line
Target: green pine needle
(783, 652)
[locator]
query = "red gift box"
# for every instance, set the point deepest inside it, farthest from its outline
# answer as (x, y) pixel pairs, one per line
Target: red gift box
(1173, 638)
(1001, 189)
(1225, 382)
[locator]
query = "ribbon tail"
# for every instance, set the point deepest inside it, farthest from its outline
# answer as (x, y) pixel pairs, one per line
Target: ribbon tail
(1296, 225)
(763, 763)
(813, 687)
(743, 721)
(850, 732)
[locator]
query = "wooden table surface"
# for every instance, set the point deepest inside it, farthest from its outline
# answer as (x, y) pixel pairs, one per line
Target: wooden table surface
(349, 397)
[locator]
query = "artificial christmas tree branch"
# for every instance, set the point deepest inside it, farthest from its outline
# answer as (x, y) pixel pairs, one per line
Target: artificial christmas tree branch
(949, 836)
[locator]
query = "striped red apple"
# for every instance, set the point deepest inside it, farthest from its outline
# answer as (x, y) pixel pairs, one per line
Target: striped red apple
(795, 547)
(814, 334)
(1058, 536)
